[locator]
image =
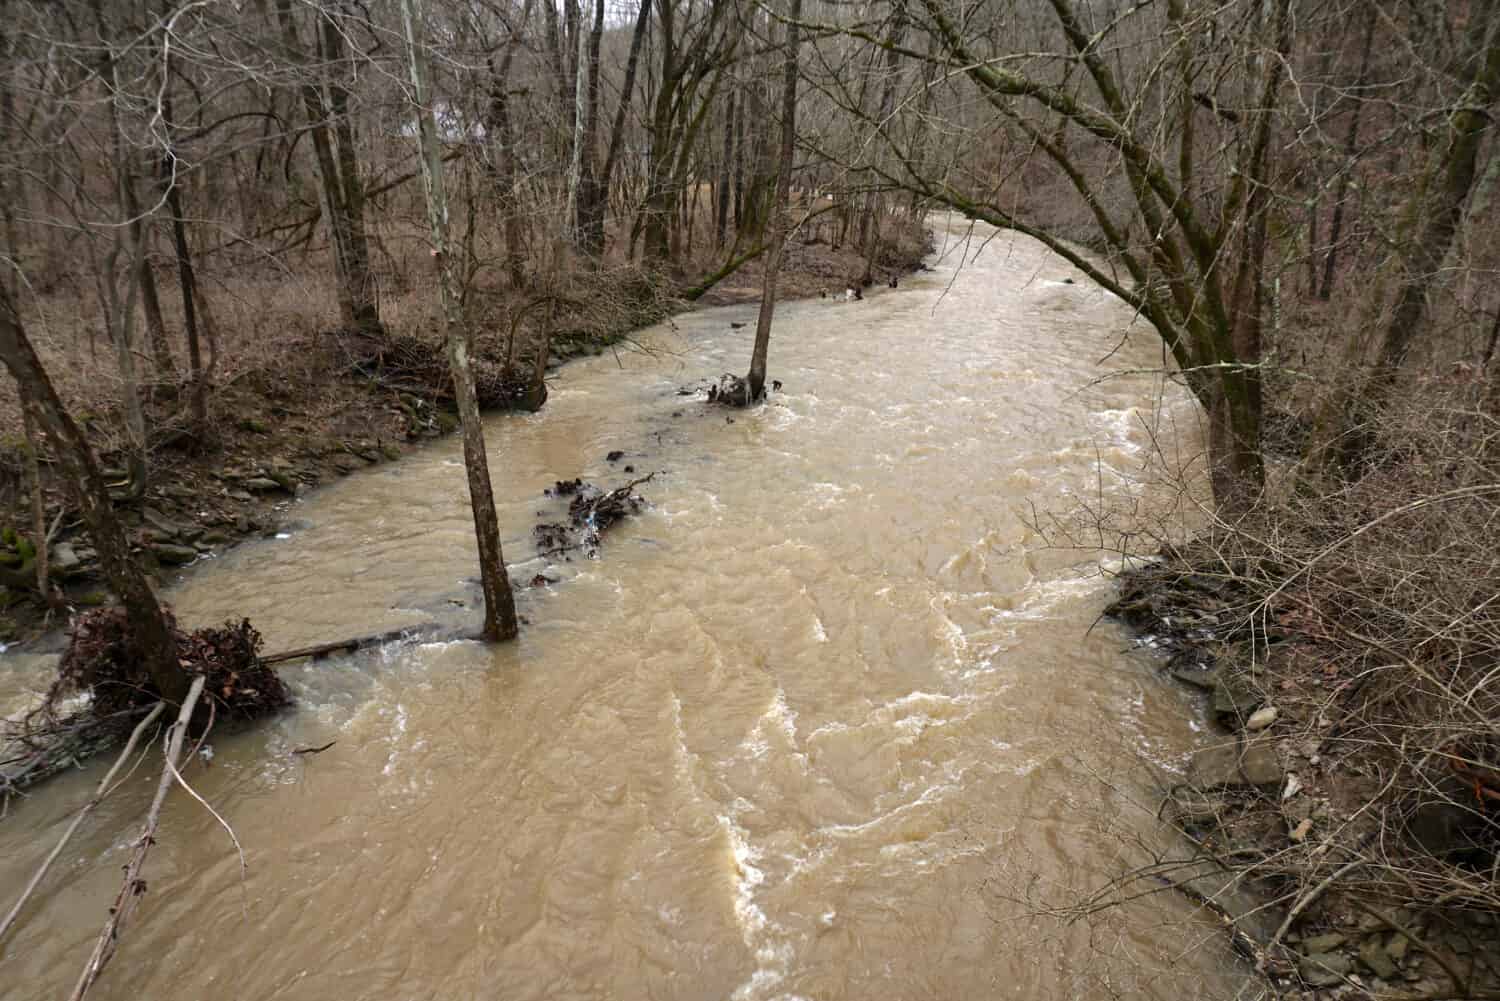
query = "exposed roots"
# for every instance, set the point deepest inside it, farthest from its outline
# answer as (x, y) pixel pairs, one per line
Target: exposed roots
(100, 665)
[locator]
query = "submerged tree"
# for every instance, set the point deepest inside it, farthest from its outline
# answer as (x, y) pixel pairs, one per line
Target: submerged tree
(756, 380)
(499, 603)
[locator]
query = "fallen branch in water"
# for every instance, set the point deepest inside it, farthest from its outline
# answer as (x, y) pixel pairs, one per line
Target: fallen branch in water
(319, 650)
(134, 887)
(589, 514)
(103, 790)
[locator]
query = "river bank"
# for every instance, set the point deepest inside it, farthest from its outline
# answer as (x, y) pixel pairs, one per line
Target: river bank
(308, 412)
(1338, 793)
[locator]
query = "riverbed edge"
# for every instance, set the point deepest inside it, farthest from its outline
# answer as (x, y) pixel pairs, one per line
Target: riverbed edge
(1271, 786)
(203, 506)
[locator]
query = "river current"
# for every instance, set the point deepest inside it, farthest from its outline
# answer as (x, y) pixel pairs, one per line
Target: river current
(829, 719)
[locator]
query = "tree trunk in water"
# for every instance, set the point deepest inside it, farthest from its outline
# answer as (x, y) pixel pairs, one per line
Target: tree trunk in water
(757, 377)
(499, 602)
(152, 635)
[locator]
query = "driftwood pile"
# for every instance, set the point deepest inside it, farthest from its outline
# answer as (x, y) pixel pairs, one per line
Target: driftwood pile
(590, 512)
(100, 663)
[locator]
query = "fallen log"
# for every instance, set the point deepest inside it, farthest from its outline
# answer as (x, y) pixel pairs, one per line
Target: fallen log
(320, 650)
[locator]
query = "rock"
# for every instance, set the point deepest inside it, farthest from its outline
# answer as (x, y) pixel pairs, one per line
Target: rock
(165, 527)
(1234, 696)
(390, 451)
(1397, 946)
(215, 537)
(347, 463)
(262, 485)
(1324, 969)
(238, 495)
(284, 479)
(65, 559)
(1373, 956)
(1261, 718)
(1196, 675)
(1293, 786)
(1323, 943)
(1194, 808)
(166, 552)
(1299, 833)
(614, 456)
(1228, 766)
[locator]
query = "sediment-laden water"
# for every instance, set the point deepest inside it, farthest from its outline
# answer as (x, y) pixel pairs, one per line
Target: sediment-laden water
(826, 721)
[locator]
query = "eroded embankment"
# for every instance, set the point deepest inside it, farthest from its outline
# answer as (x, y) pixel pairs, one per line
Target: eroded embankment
(1356, 792)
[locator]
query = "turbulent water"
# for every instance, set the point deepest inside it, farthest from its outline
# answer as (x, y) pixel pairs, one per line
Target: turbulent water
(826, 720)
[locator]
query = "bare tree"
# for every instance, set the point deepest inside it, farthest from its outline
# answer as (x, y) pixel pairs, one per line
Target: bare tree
(499, 603)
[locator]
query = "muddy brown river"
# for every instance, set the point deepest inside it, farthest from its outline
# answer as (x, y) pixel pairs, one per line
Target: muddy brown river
(826, 721)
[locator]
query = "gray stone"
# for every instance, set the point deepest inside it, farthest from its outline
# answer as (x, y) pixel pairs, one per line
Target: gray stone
(1230, 766)
(284, 479)
(1261, 718)
(348, 463)
(1234, 695)
(1323, 943)
(1397, 946)
(1198, 677)
(1324, 969)
(64, 559)
(168, 528)
(168, 553)
(262, 485)
(1375, 958)
(1194, 808)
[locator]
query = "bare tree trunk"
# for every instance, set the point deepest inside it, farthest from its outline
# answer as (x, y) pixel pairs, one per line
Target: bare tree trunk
(343, 196)
(361, 280)
(498, 122)
(580, 112)
(1467, 124)
(726, 167)
(198, 393)
(38, 501)
(1351, 145)
(156, 327)
(499, 602)
(152, 635)
(757, 376)
(596, 202)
